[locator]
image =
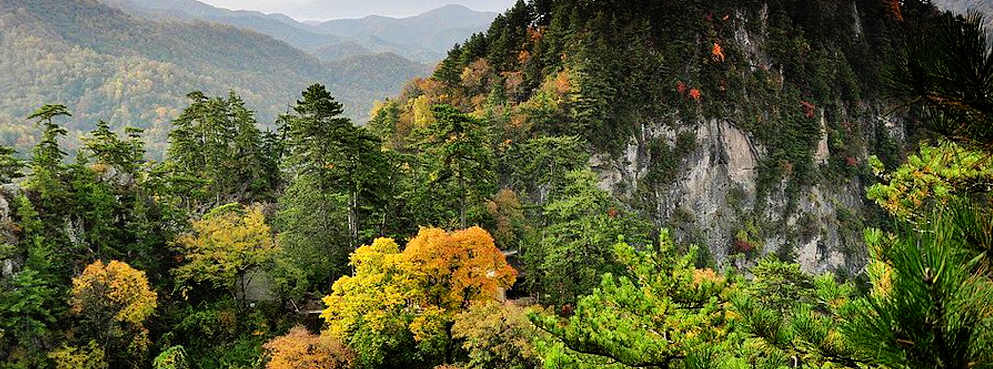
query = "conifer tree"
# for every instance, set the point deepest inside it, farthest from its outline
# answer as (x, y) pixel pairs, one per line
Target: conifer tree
(456, 149)
(217, 141)
(660, 312)
(944, 75)
(929, 308)
(328, 156)
(10, 165)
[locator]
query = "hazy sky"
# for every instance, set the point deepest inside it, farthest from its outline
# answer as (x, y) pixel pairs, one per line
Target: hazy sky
(269, 6)
(403, 7)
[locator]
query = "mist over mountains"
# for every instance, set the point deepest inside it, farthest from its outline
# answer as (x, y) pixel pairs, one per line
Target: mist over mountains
(336, 9)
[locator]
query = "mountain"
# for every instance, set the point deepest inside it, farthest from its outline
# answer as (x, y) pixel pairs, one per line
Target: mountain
(341, 50)
(278, 26)
(743, 126)
(425, 37)
(107, 65)
(338, 9)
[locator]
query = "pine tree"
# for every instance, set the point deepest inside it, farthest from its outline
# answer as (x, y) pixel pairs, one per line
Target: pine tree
(326, 151)
(47, 155)
(929, 307)
(10, 165)
(456, 150)
(216, 141)
(944, 75)
(661, 312)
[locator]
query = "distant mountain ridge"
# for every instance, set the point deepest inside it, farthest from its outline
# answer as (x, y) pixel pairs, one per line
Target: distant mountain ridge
(437, 30)
(338, 9)
(423, 38)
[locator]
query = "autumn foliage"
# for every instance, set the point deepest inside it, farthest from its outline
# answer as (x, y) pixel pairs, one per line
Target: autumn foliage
(454, 269)
(113, 288)
(418, 291)
(114, 301)
(300, 349)
(224, 245)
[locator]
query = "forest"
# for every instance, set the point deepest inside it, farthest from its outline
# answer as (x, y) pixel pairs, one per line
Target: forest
(466, 226)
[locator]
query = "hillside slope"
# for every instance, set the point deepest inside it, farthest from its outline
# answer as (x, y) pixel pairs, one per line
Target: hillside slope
(277, 26)
(337, 9)
(425, 37)
(742, 125)
(106, 65)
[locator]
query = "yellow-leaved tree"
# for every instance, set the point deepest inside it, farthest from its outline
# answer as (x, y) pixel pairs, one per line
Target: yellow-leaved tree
(113, 301)
(226, 244)
(399, 307)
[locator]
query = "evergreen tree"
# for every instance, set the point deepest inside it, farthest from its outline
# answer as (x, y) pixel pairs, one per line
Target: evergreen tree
(48, 156)
(944, 75)
(567, 254)
(328, 157)
(126, 156)
(10, 165)
(217, 141)
(659, 312)
(929, 308)
(456, 150)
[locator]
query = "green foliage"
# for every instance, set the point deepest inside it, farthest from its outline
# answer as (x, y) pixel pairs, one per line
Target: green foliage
(26, 315)
(661, 312)
(313, 231)
(539, 165)
(217, 141)
(929, 307)
(172, 358)
(330, 157)
(941, 74)
(934, 177)
(218, 334)
(792, 314)
(458, 159)
(10, 165)
(567, 254)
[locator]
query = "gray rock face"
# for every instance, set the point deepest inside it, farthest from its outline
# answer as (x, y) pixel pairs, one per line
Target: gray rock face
(715, 197)
(8, 265)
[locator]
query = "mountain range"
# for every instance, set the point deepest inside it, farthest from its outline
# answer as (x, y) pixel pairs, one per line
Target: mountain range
(131, 62)
(425, 38)
(337, 9)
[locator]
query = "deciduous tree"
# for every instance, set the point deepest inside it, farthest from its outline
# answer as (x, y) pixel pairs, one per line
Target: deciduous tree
(408, 300)
(228, 242)
(300, 349)
(114, 300)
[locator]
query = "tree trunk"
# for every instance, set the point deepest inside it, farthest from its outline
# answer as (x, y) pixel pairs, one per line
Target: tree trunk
(353, 226)
(462, 202)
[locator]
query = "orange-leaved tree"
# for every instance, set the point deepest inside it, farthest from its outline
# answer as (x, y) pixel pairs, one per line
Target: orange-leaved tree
(300, 349)
(114, 301)
(399, 307)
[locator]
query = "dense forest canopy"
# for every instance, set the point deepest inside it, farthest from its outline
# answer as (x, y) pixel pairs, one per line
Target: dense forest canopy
(468, 225)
